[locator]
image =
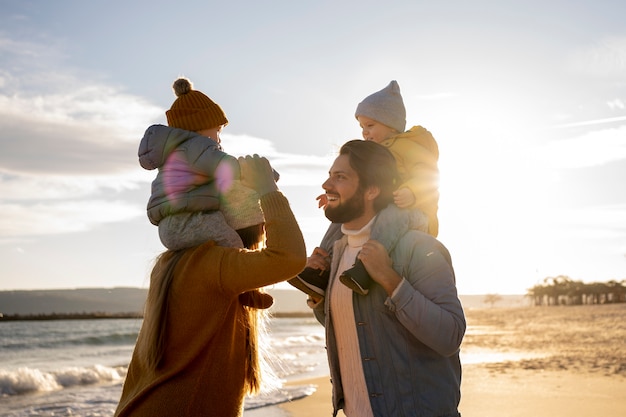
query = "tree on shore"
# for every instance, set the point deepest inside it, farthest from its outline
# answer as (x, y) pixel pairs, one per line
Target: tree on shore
(491, 299)
(562, 290)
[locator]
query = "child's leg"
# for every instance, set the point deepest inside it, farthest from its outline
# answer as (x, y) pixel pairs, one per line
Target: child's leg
(188, 229)
(390, 225)
(314, 281)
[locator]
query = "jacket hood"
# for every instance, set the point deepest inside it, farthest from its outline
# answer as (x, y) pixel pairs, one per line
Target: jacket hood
(422, 137)
(159, 141)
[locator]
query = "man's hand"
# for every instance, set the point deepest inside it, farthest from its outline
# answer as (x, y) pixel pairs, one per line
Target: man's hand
(256, 173)
(378, 264)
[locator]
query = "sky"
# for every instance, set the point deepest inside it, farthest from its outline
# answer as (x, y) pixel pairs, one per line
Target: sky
(526, 99)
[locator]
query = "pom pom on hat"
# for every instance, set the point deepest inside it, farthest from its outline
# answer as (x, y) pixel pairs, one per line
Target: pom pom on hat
(385, 106)
(192, 110)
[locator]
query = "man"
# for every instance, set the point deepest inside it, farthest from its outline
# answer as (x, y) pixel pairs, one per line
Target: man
(394, 351)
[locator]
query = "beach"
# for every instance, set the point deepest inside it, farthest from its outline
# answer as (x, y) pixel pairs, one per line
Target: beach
(517, 361)
(532, 361)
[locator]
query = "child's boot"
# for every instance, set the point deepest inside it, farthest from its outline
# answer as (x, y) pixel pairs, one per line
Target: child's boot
(311, 281)
(357, 278)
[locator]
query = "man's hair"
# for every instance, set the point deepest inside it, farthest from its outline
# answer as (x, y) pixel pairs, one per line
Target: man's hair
(375, 166)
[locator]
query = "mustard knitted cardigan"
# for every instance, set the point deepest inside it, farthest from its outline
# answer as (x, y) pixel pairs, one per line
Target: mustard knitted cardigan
(203, 371)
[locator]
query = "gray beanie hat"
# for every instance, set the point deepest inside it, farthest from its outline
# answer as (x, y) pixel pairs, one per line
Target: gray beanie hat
(385, 106)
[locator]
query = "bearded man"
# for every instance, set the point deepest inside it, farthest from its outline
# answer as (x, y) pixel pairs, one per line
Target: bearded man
(395, 350)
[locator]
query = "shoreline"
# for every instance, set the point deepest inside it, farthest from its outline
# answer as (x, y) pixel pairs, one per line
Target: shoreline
(105, 316)
(317, 404)
(512, 392)
(559, 361)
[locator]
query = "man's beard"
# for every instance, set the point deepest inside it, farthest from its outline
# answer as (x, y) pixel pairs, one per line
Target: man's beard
(349, 210)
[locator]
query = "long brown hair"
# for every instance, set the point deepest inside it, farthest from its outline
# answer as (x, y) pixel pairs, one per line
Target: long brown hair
(252, 238)
(157, 306)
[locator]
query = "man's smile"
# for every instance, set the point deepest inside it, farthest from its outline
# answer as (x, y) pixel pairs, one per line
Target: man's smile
(332, 197)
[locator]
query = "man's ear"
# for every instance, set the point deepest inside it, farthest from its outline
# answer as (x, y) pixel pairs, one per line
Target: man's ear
(372, 192)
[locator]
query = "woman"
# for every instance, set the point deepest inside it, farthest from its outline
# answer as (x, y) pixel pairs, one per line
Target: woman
(197, 351)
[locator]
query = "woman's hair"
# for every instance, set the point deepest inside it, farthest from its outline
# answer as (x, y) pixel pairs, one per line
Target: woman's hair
(157, 306)
(252, 238)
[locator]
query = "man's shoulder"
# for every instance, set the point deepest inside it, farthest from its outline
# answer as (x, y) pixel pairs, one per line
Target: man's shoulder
(420, 237)
(415, 243)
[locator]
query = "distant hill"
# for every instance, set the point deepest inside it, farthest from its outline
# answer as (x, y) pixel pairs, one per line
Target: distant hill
(83, 300)
(131, 300)
(110, 300)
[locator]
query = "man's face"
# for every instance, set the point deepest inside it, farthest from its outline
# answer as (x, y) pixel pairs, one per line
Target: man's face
(345, 197)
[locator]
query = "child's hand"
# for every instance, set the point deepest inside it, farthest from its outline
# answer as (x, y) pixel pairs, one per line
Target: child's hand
(403, 198)
(323, 200)
(256, 173)
(319, 259)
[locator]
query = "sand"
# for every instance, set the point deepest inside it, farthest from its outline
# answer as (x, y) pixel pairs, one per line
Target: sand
(537, 361)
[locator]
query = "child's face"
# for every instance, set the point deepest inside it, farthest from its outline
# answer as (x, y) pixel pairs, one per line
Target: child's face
(213, 133)
(375, 131)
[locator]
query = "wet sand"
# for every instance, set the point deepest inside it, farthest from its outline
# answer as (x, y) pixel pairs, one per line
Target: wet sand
(566, 361)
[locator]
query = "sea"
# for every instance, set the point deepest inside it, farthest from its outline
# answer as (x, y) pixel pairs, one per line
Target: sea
(77, 367)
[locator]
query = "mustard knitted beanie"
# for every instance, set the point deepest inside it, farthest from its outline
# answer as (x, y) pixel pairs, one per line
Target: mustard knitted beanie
(192, 110)
(385, 106)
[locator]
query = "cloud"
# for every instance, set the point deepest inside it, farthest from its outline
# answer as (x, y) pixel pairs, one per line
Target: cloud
(435, 96)
(25, 59)
(59, 217)
(56, 119)
(595, 222)
(593, 148)
(28, 188)
(616, 104)
(68, 147)
(605, 58)
(294, 169)
(93, 129)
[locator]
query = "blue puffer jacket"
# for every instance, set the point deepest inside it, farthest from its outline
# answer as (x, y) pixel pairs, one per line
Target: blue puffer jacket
(187, 161)
(409, 343)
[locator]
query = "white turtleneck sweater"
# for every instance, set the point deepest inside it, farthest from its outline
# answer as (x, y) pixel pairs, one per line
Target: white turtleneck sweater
(357, 402)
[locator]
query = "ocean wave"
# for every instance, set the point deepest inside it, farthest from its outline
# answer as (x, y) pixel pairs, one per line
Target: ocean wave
(313, 339)
(127, 338)
(28, 380)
